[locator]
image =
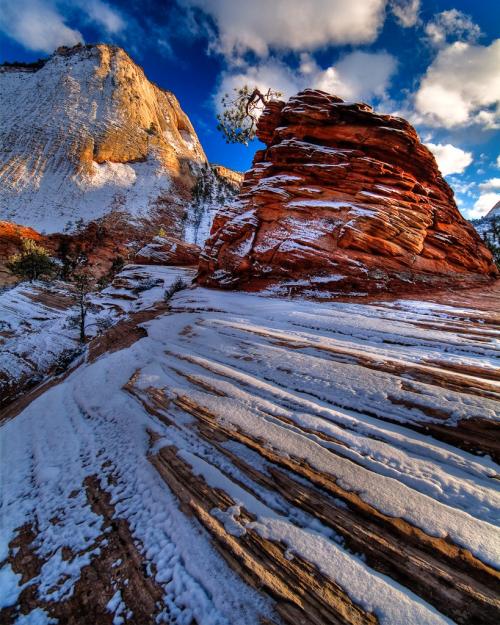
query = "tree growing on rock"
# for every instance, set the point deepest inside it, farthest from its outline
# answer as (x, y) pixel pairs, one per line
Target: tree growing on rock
(241, 111)
(33, 262)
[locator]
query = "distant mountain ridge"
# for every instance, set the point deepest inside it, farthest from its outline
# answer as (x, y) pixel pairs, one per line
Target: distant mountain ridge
(495, 211)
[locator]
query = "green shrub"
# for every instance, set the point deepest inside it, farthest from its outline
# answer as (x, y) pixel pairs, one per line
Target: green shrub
(33, 262)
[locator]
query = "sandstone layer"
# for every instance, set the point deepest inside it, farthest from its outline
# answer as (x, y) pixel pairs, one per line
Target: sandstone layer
(342, 200)
(278, 463)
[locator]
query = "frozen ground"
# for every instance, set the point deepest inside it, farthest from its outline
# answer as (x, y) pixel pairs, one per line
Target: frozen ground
(314, 445)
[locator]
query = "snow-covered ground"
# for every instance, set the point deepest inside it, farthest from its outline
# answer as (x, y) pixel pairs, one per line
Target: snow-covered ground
(37, 321)
(242, 391)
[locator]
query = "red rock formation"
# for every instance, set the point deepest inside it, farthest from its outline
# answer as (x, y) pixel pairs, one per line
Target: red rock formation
(342, 199)
(168, 251)
(101, 242)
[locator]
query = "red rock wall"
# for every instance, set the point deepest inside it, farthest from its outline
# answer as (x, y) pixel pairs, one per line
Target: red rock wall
(342, 200)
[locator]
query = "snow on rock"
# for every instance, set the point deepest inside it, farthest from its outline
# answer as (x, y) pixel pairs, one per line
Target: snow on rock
(340, 189)
(165, 250)
(323, 448)
(89, 146)
(86, 134)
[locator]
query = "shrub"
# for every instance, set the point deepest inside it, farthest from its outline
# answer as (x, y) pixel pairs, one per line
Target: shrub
(32, 262)
(175, 287)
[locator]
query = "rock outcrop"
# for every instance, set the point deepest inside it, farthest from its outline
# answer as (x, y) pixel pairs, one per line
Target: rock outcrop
(230, 176)
(101, 242)
(11, 236)
(342, 200)
(168, 251)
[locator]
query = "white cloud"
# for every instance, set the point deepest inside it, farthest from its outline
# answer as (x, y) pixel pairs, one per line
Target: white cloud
(450, 159)
(451, 25)
(498, 160)
(259, 25)
(405, 12)
(41, 24)
(358, 75)
(492, 184)
(37, 25)
(483, 205)
(102, 14)
(461, 186)
(462, 86)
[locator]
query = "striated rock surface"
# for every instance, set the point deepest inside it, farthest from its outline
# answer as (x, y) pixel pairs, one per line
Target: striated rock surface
(168, 251)
(342, 200)
(228, 459)
(96, 158)
(86, 133)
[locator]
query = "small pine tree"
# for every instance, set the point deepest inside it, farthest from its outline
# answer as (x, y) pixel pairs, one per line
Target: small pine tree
(84, 284)
(71, 258)
(33, 262)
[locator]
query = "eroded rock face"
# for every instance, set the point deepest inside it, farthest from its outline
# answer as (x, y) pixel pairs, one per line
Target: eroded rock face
(342, 200)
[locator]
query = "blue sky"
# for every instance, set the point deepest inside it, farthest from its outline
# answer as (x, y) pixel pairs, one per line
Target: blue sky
(435, 62)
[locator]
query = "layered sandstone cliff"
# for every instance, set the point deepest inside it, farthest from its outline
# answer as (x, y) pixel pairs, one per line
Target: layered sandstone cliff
(341, 199)
(87, 133)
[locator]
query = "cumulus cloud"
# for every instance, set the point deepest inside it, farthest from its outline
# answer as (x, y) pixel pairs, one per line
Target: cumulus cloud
(259, 25)
(498, 160)
(357, 76)
(483, 205)
(37, 25)
(451, 25)
(405, 12)
(493, 184)
(461, 186)
(462, 86)
(450, 159)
